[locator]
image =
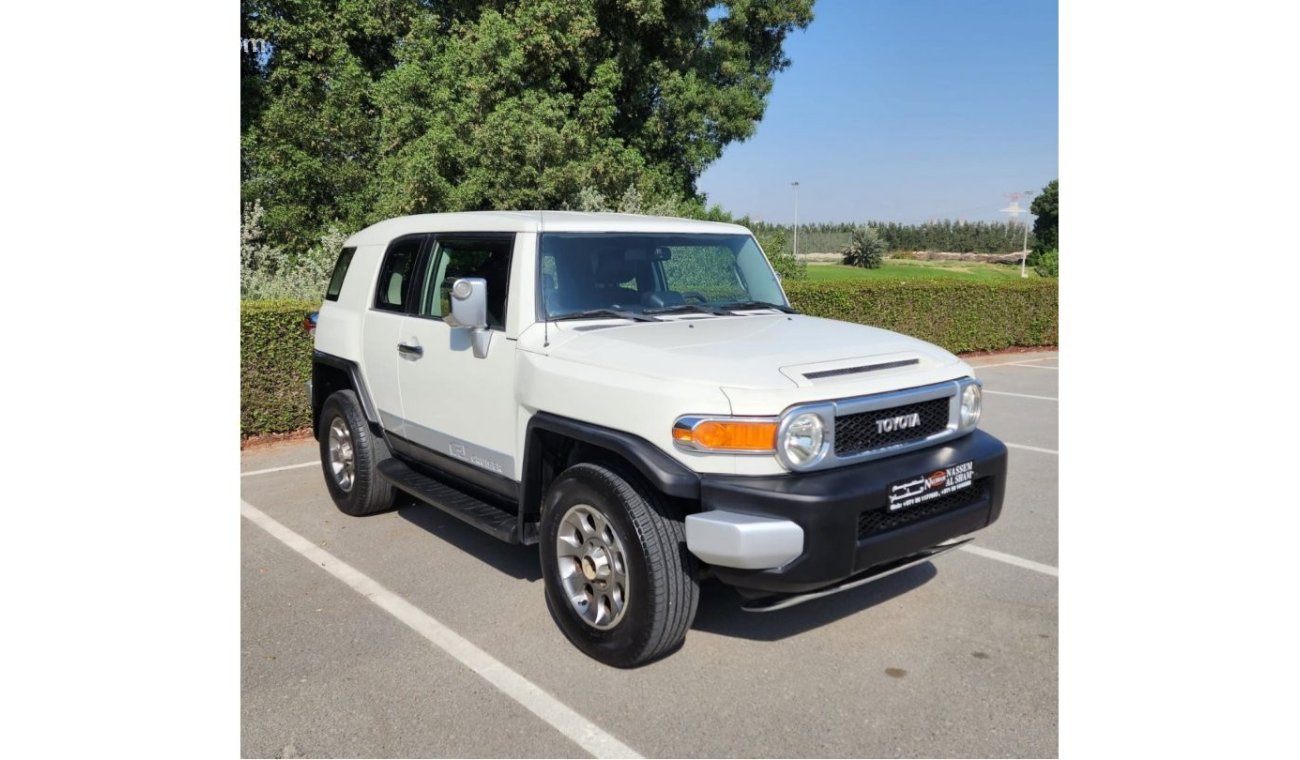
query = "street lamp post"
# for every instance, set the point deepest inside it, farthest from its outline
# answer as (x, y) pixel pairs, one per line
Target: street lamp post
(1024, 245)
(795, 185)
(1024, 250)
(1014, 211)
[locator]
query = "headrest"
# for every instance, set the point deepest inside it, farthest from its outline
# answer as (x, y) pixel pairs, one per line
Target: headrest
(613, 269)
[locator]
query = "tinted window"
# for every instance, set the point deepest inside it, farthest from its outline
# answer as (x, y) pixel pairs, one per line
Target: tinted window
(395, 276)
(486, 256)
(340, 271)
(640, 271)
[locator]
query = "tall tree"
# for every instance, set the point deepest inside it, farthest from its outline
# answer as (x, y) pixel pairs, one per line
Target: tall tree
(1045, 226)
(371, 108)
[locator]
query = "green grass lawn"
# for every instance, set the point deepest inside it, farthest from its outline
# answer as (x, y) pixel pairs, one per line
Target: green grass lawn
(972, 271)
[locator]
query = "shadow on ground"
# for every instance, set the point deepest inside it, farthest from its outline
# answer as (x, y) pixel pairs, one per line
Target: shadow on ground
(511, 559)
(720, 610)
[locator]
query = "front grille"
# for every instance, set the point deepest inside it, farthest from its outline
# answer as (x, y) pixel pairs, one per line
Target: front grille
(880, 520)
(856, 433)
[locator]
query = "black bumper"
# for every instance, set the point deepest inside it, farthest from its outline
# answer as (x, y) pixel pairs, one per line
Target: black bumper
(838, 540)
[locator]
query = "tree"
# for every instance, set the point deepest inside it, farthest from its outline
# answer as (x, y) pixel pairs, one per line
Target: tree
(1049, 264)
(866, 249)
(776, 246)
(375, 108)
(1045, 226)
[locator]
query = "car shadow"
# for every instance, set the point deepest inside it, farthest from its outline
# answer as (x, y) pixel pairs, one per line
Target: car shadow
(511, 559)
(720, 607)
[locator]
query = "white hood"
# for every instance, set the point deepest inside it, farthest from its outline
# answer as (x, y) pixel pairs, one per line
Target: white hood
(756, 353)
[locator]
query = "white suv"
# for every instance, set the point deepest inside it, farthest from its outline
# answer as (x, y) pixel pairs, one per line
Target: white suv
(635, 395)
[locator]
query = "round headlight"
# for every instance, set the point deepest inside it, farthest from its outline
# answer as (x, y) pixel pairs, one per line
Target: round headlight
(803, 438)
(970, 406)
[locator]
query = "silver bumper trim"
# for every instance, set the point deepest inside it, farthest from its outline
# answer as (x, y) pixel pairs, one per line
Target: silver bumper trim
(731, 539)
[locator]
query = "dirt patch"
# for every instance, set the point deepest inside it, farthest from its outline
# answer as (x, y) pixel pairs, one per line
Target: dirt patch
(1011, 350)
(988, 258)
(261, 441)
(822, 258)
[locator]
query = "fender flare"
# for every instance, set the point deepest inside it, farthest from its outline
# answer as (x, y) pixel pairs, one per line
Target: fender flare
(660, 470)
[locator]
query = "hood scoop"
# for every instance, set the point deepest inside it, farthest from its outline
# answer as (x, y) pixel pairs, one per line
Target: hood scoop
(858, 368)
(821, 374)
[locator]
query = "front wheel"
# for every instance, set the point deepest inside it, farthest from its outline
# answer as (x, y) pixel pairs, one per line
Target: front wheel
(619, 580)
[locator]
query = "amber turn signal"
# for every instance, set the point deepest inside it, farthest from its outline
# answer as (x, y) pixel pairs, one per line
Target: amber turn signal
(728, 435)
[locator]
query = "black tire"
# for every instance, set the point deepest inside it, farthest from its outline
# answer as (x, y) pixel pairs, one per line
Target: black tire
(364, 493)
(662, 578)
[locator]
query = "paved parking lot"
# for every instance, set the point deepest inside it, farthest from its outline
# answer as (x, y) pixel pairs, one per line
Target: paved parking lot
(412, 634)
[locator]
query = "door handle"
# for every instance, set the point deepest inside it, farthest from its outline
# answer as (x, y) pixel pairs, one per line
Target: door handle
(413, 352)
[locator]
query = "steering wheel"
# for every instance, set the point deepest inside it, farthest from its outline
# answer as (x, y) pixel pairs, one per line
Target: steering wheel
(697, 296)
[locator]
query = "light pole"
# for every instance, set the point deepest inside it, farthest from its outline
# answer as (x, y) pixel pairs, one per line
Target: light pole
(1015, 211)
(1024, 250)
(1024, 245)
(795, 185)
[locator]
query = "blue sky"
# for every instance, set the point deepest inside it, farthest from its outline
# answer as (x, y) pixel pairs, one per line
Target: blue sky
(902, 110)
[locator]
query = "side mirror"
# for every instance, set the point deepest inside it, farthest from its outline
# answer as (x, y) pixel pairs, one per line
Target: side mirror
(469, 310)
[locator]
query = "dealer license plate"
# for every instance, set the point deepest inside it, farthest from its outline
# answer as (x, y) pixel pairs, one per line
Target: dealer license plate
(930, 486)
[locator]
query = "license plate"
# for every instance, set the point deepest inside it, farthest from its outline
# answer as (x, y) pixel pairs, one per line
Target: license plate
(923, 488)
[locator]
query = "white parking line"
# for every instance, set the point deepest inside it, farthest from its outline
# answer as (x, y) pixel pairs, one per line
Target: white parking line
(1020, 395)
(1035, 366)
(1030, 448)
(279, 469)
(561, 717)
(1011, 559)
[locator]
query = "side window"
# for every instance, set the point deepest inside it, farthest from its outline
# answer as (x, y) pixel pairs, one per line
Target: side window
(340, 271)
(486, 256)
(395, 275)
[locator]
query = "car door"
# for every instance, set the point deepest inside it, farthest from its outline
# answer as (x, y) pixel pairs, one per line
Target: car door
(394, 296)
(460, 410)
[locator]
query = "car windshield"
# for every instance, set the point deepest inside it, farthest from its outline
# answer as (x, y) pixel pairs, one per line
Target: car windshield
(594, 275)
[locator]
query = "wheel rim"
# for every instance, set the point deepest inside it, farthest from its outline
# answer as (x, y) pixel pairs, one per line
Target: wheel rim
(343, 465)
(592, 566)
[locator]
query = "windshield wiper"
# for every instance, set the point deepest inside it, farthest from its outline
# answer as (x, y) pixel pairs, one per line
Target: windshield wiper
(739, 305)
(615, 313)
(687, 307)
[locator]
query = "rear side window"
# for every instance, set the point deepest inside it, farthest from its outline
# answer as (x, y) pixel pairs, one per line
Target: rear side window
(395, 276)
(340, 271)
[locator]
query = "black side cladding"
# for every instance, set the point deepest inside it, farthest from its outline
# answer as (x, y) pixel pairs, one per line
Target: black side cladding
(322, 388)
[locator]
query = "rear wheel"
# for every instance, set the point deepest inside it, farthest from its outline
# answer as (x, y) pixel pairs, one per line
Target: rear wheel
(349, 456)
(619, 580)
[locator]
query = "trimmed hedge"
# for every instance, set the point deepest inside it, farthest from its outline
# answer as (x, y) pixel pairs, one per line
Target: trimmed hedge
(275, 353)
(960, 316)
(275, 365)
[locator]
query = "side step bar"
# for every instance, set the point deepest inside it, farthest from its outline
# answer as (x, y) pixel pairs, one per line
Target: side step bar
(492, 520)
(781, 601)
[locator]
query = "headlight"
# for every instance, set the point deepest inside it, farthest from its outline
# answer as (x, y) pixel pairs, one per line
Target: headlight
(803, 440)
(970, 406)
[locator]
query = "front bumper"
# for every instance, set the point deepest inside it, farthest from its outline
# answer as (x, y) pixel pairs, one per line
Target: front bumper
(828, 509)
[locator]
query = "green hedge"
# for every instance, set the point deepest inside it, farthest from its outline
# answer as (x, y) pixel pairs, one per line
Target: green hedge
(960, 316)
(275, 354)
(275, 365)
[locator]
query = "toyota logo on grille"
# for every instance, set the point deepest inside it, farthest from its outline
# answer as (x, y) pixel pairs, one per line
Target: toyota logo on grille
(890, 424)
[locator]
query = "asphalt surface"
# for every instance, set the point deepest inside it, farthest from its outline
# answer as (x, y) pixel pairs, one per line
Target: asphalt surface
(955, 657)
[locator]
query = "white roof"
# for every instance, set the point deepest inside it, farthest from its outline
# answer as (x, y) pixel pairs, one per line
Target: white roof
(534, 221)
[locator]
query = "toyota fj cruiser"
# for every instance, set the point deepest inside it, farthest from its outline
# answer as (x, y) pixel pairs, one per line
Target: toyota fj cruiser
(635, 395)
